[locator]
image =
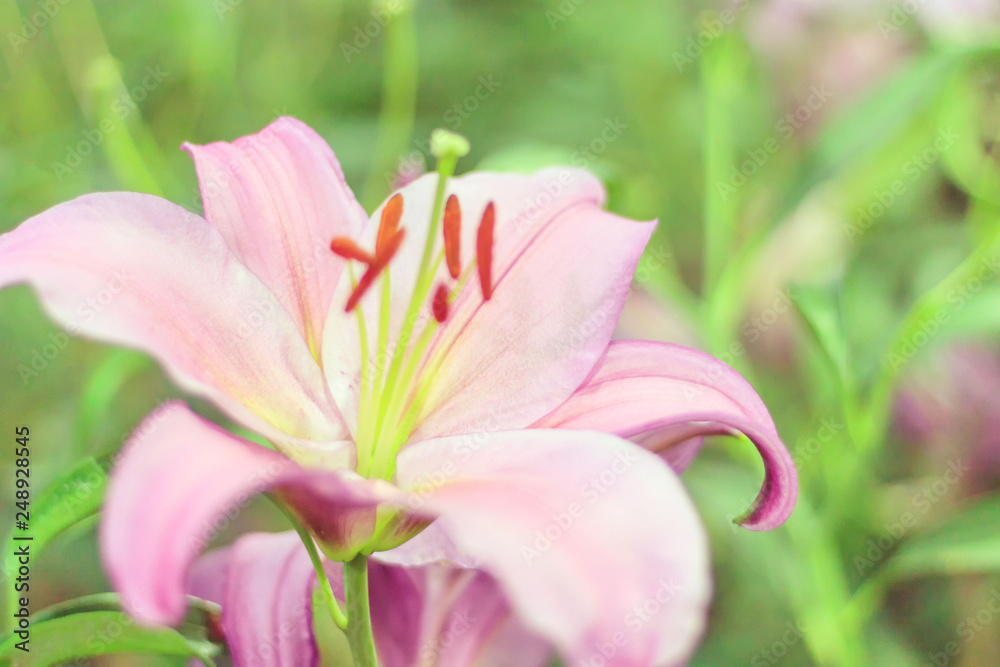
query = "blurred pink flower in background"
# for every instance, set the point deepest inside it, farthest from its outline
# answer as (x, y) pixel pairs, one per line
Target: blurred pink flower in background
(786, 21)
(821, 45)
(848, 47)
(949, 406)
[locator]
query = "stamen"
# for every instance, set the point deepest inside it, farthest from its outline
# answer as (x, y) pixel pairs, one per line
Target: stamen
(484, 251)
(389, 223)
(382, 259)
(440, 305)
(347, 248)
(453, 236)
(393, 393)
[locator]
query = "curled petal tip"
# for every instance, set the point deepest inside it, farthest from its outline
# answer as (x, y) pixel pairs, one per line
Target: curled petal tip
(666, 397)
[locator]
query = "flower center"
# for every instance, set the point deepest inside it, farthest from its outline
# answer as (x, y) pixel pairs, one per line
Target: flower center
(394, 393)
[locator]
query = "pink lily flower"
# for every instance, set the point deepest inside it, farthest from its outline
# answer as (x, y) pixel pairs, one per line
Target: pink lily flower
(445, 385)
(426, 616)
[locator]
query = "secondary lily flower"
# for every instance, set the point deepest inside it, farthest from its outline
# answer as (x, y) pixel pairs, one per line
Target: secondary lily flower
(853, 46)
(443, 379)
(425, 616)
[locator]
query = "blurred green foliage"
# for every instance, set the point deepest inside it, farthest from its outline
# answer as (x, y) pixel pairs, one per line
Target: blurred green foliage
(819, 211)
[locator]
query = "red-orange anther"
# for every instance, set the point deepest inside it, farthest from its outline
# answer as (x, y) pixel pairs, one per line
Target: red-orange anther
(453, 236)
(348, 248)
(389, 223)
(382, 259)
(484, 251)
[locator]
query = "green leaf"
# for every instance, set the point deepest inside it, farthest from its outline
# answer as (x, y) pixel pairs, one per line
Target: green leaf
(968, 542)
(976, 318)
(820, 310)
(889, 648)
(72, 498)
(722, 89)
(968, 162)
(867, 126)
(101, 390)
(58, 640)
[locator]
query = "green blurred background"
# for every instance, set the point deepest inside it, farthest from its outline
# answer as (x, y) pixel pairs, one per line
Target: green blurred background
(825, 177)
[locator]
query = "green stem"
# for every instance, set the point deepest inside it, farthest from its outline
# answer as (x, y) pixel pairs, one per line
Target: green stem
(822, 591)
(720, 87)
(96, 80)
(101, 389)
(107, 602)
(446, 167)
(359, 629)
(399, 101)
(447, 147)
(332, 606)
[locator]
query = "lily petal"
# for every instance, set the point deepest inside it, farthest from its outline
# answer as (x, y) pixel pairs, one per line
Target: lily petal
(172, 489)
(512, 645)
(267, 612)
(139, 271)
(663, 395)
(434, 616)
(264, 584)
(441, 616)
(431, 545)
(279, 197)
(207, 579)
(561, 270)
(579, 528)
